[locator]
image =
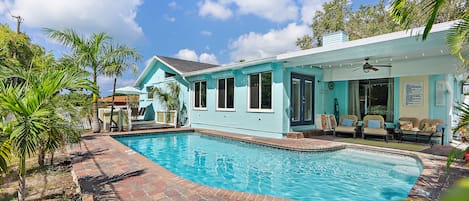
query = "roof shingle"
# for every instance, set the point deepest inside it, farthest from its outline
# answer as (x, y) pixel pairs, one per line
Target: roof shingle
(185, 66)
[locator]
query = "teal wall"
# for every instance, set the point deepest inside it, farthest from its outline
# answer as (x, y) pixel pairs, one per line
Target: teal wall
(156, 78)
(437, 111)
(268, 124)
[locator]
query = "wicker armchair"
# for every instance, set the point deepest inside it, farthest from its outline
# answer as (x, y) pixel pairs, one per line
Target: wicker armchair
(381, 131)
(340, 128)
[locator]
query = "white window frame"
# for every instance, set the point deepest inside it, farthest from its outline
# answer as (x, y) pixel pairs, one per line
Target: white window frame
(249, 109)
(148, 93)
(226, 95)
(200, 100)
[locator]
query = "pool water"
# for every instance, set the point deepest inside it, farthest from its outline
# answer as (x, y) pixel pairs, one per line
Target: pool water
(347, 174)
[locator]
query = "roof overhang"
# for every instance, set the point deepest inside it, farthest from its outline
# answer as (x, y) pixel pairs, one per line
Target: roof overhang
(232, 66)
(147, 69)
(380, 49)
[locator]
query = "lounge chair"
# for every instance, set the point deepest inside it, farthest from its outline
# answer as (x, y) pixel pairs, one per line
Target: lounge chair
(374, 125)
(347, 124)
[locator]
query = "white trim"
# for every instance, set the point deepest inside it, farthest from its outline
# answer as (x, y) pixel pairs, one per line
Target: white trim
(249, 109)
(226, 95)
(148, 67)
(200, 95)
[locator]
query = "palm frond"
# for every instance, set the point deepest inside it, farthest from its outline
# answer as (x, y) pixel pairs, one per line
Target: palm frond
(458, 37)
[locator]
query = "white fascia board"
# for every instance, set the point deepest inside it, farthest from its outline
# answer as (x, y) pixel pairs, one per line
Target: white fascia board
(366, 41)
(148, 67)
(230, 66)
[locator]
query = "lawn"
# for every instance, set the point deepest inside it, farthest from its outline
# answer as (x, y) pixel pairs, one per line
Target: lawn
(394, 145)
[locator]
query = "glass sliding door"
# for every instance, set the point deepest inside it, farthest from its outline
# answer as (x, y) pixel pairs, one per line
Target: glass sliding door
(302, 99)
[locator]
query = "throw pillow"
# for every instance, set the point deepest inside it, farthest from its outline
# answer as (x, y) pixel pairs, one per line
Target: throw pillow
(406, 125)
(374, 124)
(347, 122)
(428, 127)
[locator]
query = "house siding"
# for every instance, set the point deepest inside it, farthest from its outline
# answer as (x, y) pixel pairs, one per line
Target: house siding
(267, 124)
(156, 78)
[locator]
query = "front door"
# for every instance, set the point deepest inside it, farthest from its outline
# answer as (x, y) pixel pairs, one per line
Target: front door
(302, 96)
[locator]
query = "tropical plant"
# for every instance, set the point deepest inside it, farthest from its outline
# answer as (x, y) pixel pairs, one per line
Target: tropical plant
(5, 147)
(170, 97)
(431, 13)
(97, 53)
(30, 102)
(120, 63)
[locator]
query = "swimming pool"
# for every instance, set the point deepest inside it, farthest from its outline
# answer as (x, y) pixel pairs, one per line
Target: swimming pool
(348, 174)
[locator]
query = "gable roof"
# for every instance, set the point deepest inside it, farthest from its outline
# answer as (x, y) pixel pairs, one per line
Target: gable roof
(185, 66)
(180, 66)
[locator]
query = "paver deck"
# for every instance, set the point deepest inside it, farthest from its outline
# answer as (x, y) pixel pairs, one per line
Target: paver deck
(108, 170)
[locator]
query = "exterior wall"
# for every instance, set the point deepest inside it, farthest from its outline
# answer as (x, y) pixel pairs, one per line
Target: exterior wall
(267, 124)
(419, 111)
(156, 78)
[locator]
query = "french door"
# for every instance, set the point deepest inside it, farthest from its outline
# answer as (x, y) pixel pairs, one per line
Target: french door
(302, 99)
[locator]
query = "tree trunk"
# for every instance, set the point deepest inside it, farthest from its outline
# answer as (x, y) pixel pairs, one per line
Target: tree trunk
(52, 158)
(112, 105)
(41, 156)
(96, 127)
(22, 179)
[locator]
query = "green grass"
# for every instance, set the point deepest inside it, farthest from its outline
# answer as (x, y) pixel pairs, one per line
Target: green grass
(394, 145)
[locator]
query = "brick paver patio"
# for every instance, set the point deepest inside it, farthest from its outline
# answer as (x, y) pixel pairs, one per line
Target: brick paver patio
(107, 170)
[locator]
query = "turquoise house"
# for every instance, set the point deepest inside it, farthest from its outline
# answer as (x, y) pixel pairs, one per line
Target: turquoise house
(273, 96)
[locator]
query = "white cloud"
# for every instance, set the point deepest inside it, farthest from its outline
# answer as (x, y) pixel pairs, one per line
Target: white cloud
(206, 33)
(273, 10)
(191, 55)
(208, 58)
(172, 5)
(309, 8)
(107, 83)
(254, 45)
(187, 54)
(214, 9)
(114, 17)
(169, 18)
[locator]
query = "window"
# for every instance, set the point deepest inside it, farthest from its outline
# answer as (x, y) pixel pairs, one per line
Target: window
(150, 92)
(374, 96)
(260, 91)
(225, 93)
(200, 95)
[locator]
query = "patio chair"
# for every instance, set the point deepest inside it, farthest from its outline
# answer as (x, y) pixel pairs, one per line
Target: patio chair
(374, 125)
(430, 128)
(406, 126)
(347, 124)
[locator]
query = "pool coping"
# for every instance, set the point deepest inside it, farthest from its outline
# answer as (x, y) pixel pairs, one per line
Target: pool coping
(425, 187)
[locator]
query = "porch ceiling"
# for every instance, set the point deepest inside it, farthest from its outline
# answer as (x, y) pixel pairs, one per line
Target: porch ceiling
(386, 52)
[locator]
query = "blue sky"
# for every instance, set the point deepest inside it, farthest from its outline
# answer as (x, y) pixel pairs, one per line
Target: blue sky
(212, 31)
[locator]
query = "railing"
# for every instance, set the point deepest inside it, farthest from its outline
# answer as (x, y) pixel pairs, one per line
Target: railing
(166, 117)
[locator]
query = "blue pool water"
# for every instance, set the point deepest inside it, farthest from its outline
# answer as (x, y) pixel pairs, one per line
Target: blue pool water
(347, 174)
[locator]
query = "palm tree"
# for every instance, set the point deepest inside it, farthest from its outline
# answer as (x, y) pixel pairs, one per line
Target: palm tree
(458, 35)
(170, 98)
(96, 53)
(31, 105)
(120, 63)
(5, 131)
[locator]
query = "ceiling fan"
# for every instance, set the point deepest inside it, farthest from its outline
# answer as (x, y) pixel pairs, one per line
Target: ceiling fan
(367, 67)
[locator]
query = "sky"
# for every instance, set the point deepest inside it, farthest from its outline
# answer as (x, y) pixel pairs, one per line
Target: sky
(210, 31)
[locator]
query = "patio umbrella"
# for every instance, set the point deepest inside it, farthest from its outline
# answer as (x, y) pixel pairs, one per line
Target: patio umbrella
(128, 90)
